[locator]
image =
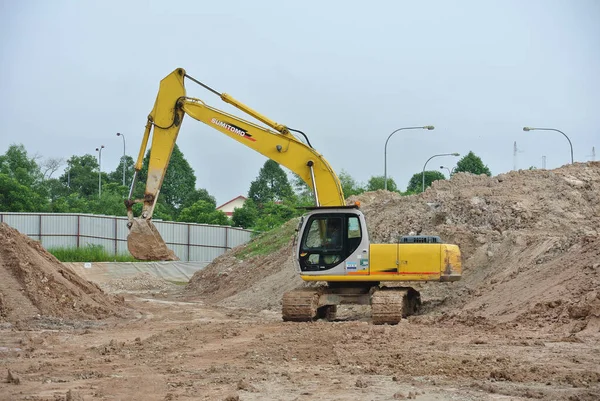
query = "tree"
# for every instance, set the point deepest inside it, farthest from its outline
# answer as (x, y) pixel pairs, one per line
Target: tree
(117, 174)
(72, 203)
(415, 185)
(56, 189)
(50, 165)
(203, 212)
(271, 185)
(349, 185)
(378, 182)
(200, 194)
(274, 215)
(81, 175)
(110, 202)
(16, 197)
(179, 182)
(472, 164)
(304, 194)
(246, 215)
(16, 164)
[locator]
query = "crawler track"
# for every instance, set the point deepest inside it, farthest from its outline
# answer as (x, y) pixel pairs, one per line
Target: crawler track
(300, 305)
(390, 305)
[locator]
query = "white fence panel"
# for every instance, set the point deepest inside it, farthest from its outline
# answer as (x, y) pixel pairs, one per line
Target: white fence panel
(190, 242)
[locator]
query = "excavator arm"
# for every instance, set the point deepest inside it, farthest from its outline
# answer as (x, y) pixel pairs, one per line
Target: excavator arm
(164, 123)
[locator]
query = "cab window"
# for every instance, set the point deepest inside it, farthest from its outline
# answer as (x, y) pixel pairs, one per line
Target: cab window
(328, 240)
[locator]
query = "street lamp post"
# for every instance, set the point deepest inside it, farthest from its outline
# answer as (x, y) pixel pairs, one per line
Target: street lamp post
(123, 160)
(552, 129)
(427, 127)
(99, 150)
(444, 167)
(442, 154)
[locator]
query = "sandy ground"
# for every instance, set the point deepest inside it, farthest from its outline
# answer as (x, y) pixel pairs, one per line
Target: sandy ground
(182, 350)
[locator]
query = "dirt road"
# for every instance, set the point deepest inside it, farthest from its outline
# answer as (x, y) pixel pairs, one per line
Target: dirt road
(179, 350)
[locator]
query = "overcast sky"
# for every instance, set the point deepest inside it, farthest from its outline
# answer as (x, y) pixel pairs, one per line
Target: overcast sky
(347, 73)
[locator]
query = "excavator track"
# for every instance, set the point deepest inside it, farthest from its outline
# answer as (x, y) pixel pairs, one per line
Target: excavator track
(390, 305)
(300, 305)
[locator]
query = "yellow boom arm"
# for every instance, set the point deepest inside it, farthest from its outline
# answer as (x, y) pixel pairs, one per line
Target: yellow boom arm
(169, 110)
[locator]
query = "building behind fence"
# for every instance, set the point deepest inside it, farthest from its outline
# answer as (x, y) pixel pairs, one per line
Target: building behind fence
(189, 241)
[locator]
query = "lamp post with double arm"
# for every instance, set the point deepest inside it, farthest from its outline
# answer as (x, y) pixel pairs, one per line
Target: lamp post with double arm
(442, 154)
(447, 168)
(427, 127)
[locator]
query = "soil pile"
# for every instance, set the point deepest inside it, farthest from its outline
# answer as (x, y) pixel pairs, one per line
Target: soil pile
(530, 242)
(255, 282)
(34, 283)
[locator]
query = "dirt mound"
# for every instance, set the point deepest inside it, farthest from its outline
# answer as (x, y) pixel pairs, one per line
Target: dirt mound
(34, 283)
(255, 282)
(530, 244)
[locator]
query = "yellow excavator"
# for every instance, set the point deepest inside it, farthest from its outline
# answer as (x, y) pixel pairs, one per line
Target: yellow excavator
(332, 242)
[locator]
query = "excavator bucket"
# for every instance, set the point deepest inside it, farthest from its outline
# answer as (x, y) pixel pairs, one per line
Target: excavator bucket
(145, 243)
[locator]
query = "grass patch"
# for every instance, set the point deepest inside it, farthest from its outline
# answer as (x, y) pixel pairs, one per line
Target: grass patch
(270, 241)
(89, 253)
(178, 282)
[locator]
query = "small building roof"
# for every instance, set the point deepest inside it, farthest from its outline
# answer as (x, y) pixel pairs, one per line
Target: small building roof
(230, 201)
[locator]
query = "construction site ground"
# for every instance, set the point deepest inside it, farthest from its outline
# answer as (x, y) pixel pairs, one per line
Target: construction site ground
(523, 323)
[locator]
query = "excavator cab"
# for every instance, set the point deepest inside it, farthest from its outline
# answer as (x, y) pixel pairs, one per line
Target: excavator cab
(330, 240)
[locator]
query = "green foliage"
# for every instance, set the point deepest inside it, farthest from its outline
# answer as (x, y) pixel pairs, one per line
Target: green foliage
(349, 185)
(304, 194)
(16, 164)
(200, 194)
(111, 201)
(81, 175)
(72, 203)
(179, 182)
(203, 212)
(15, 197)
(472, 164)
(23, 188)
(89, 253)
(271, 185)
(415, 185)
(378, 182)
(273, 215)
(269, 242)
(117, 175)
(245, 216)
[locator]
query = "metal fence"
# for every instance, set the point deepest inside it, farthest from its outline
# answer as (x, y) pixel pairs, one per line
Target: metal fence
(190, 242)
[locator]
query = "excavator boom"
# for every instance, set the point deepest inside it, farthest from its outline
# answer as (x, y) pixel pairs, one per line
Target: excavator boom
(164, 122)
